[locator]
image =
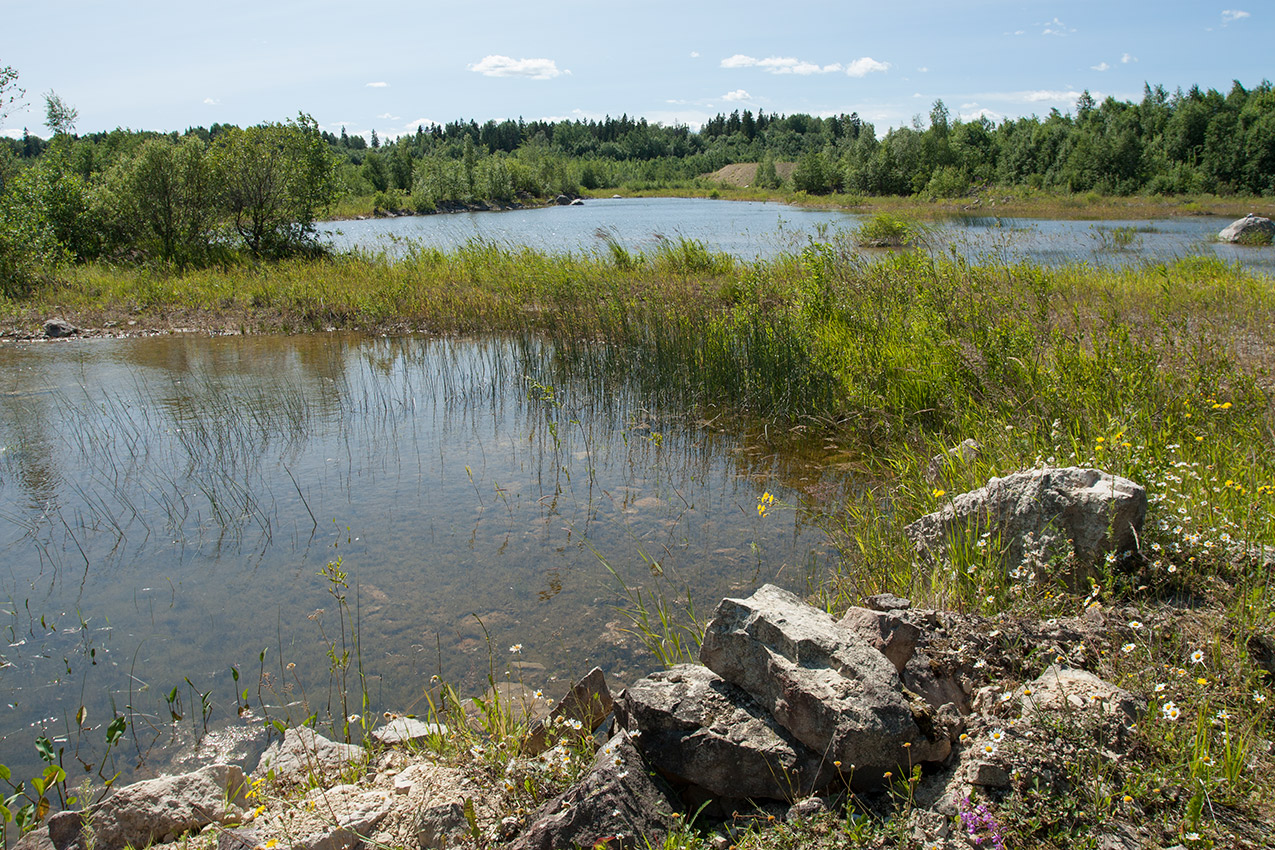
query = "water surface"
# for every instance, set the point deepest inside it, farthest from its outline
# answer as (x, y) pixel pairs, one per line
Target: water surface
(167, 506)
(750, 230)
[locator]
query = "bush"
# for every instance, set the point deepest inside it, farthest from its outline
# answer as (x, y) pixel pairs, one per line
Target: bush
(884, 230)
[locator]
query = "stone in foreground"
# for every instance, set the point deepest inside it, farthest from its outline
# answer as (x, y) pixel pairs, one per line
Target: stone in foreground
(154, 811)
(1040, 517)
(616, 805)
(827, 686)
(699, 729)
(303, 753)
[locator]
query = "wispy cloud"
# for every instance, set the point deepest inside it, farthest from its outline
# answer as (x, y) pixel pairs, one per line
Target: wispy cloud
(504, 66)
(737, 94)
(378, 85)
(1057, 27)
(1101, 66)
(865, 65)
(694, 54)
(212, 101)
(1067, 96)
(1231, 15)
(420, 122)
(780, 65)
(385, 116)
(923, 70)
(1128, 59)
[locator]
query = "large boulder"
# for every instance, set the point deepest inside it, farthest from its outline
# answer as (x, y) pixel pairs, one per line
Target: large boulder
(832, 690)
(616, 804)
(154, 810)
(1041, 517)
(699, 729)
(1249, 230)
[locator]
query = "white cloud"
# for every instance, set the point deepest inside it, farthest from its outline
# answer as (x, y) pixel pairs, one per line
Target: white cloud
(1057, 27)
(385, 116)
(504, 66)
(1128, 58)
(420, 122)
(923, 70)
(1059, 96)
(11, 132)
(694, 54)
(379, 85)
(1229, 15)
(865, 65)
(779, 65)
(979, 114)
(211, 102)
(1101, 66)
(737, 94)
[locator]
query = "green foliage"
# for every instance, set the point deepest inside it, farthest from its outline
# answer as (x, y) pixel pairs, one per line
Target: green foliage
(163, 201)
(29, 248)
(767, 177)
(274, 181)
(885, 230)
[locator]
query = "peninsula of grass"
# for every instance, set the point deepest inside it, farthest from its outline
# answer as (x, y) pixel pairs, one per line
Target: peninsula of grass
(1161, 373)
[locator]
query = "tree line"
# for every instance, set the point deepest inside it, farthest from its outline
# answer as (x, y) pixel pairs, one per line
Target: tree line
(208, 194)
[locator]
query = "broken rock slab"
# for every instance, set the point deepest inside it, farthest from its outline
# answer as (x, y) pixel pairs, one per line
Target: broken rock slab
(154, 810)
(827, 686)
(587, 703)
(888, 633)
(616, 804)
(1040, 517)
(697, 728)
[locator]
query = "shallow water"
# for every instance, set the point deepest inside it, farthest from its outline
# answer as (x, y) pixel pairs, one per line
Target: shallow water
(750, 230)
(167, 505)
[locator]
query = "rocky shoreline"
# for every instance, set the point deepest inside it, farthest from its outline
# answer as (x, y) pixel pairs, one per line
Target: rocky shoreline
(919, 714)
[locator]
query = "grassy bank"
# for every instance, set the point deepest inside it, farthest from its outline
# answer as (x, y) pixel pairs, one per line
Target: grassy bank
(1161, 373)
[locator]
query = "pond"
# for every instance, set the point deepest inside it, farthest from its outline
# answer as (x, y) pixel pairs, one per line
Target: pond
(750, 230)
(168, 506)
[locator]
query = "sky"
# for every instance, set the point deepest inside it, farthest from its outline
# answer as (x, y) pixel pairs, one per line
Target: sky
(392, 65)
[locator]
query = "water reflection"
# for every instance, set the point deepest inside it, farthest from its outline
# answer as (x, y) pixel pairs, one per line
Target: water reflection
(167, 505)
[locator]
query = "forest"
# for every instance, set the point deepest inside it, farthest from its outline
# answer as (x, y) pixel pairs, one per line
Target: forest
(198, 196)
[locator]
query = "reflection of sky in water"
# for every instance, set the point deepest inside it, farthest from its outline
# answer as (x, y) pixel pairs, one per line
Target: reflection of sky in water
(752, 229)
(166, 506)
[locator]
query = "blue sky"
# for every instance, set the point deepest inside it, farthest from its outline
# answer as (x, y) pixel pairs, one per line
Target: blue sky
(391, 65)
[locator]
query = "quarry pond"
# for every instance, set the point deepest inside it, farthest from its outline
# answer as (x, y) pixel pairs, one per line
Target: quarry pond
(169, 506)
(751, 229)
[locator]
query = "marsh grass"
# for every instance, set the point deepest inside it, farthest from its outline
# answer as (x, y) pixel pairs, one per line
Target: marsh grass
(1161, 373)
